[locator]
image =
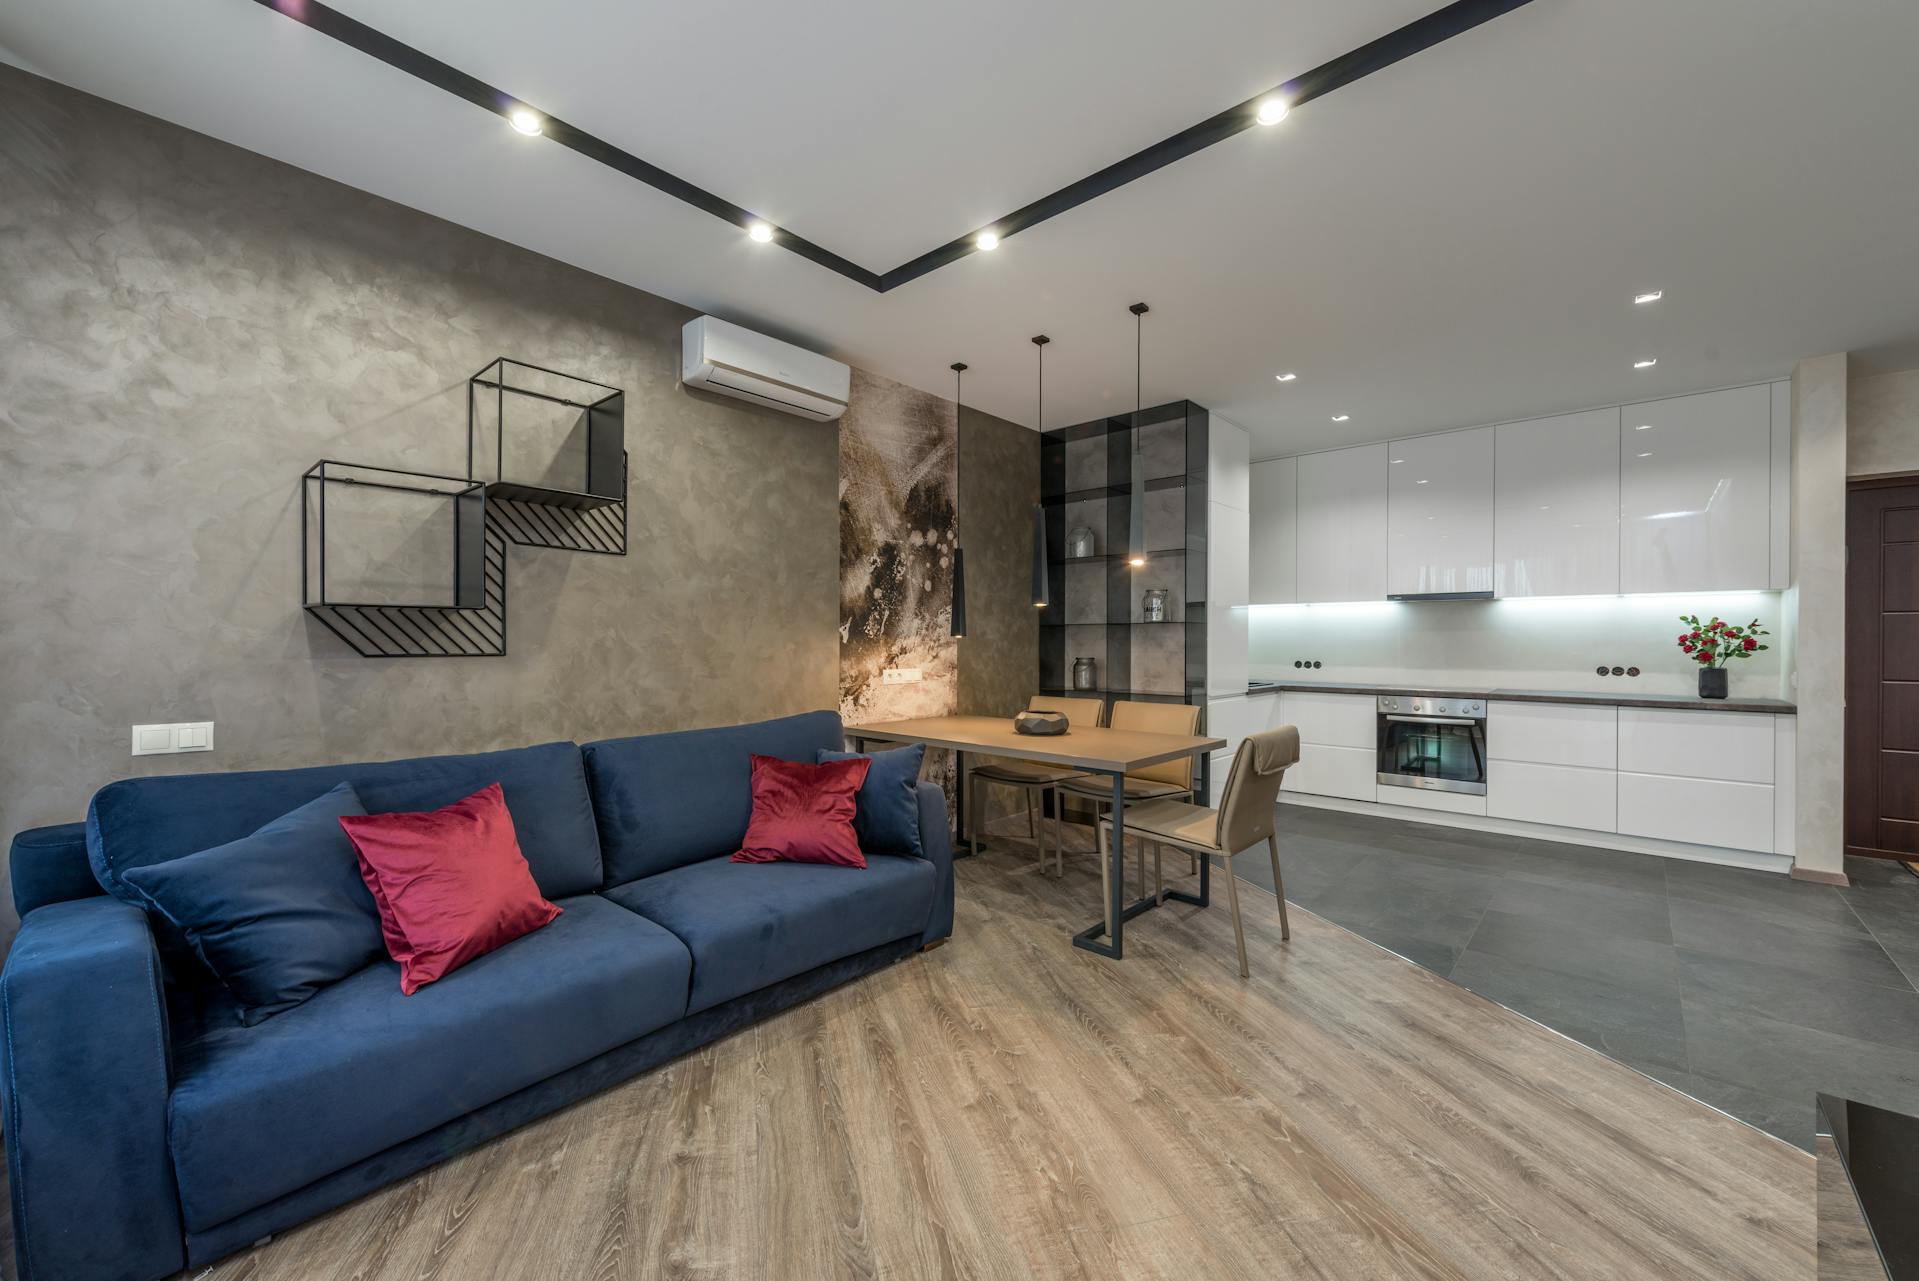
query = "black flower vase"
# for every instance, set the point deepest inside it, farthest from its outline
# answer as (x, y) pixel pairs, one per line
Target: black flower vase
(1712, 682)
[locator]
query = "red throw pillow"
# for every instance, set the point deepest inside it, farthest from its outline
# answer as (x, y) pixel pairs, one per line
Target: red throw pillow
(804, 813)
(451, 884)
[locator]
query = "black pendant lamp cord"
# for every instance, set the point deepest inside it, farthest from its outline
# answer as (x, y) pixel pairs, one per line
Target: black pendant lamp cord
(959, 553)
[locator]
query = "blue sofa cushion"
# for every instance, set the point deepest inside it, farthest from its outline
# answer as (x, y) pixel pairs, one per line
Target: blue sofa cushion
(666, 800)
(141, 821)
(752, 924)
(887, 813)
(258, 1112)
(277, 915)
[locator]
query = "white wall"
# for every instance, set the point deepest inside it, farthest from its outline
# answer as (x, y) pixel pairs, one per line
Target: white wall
(1882, 424)
(1538, 643)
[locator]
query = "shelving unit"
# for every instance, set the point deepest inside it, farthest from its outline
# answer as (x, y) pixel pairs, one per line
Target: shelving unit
(1086, 474)
(551, 450)
(402, 564)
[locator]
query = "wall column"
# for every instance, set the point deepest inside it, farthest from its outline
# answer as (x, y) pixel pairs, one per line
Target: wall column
(1819, 587)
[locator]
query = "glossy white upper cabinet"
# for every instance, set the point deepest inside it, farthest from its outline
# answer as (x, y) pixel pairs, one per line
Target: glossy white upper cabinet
(1342, 525)
(1696, 492)
(1556, 527)
(1275, 532)
(1440, 514)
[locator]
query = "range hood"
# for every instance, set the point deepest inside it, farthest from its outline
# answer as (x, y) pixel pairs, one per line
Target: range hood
(1439, 595)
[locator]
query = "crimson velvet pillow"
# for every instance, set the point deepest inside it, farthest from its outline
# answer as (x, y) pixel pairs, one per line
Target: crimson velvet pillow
(804, 813)
(450, 884)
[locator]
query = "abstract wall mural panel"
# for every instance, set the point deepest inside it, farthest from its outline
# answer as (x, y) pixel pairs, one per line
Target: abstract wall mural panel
(897, 533)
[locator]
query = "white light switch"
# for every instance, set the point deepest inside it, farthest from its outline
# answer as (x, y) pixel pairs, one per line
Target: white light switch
(187, 736)
(899, 676)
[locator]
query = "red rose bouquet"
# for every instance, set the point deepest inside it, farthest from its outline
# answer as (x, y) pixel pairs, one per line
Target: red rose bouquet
(1718, 642)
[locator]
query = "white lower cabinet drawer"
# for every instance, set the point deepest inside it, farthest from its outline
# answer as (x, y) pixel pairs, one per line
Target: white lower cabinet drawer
(1425, 798)
(1338, 720)
(1562, 795)
(1351, 772)
(1701, 811)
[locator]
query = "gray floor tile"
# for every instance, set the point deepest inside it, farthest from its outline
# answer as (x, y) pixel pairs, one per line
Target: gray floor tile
(1890, 912)
(1793, 1062)
(1638, 1025)
(1592, 908)
(1762, 896)
(1733, 931)
(1561, 947)
(1863, 1011)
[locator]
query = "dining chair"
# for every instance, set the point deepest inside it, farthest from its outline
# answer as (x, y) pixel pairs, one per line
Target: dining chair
(1170, 780)
(1245, 816)
(1034, 779)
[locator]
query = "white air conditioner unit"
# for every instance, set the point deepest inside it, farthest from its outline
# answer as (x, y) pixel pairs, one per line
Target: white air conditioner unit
(732, 361)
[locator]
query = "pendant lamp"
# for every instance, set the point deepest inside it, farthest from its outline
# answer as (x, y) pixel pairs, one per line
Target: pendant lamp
(1136, 505)
(1041, 588)
(959, 554)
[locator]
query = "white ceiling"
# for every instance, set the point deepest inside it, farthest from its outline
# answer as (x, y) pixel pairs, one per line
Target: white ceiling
(1455, 240)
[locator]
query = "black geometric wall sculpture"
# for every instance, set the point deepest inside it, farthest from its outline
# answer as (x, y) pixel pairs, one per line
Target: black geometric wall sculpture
(551, 448)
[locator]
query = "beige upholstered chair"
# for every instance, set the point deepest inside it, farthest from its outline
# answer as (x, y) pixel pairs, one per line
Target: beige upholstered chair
(1244, 818)
(1033, 779)
(1170, 781)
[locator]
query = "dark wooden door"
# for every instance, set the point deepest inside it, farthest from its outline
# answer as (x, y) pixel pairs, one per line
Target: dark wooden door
(1882, 669)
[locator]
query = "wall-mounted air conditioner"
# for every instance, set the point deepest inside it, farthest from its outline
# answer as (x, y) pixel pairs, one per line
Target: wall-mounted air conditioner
(724, 358)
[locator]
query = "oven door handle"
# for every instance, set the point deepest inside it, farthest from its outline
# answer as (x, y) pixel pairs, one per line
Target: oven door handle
(1434, 720)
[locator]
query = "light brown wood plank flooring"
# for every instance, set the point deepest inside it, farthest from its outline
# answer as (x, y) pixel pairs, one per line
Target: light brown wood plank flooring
(1008, 1106)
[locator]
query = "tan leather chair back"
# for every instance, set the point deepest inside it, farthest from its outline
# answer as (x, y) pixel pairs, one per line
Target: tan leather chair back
(1161, 718)
(1252, 787)
(1090, 712)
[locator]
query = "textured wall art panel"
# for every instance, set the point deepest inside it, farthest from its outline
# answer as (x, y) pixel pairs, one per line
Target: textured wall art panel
(897, 529)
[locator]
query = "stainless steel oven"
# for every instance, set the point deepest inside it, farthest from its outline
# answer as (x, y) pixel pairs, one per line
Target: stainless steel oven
(1435, 743)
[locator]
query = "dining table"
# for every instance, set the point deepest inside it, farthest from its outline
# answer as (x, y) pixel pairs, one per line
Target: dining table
(1092, 750)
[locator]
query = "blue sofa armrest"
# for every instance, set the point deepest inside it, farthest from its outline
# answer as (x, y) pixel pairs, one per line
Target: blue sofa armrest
(936, 839)
(83, 1079)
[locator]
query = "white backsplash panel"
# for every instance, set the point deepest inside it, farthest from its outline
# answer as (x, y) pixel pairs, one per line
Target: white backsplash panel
(1544, 643)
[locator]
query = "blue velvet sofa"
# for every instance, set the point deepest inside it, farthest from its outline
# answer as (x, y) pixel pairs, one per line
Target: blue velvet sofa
(148, 1130)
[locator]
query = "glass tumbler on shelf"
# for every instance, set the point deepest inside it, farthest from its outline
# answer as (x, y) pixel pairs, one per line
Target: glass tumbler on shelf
(1085, 674)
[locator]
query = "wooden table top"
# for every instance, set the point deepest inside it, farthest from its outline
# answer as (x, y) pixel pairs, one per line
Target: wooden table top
(1118, 751)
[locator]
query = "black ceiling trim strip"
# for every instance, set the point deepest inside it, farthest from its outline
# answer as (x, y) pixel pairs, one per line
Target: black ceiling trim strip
(1420, 34)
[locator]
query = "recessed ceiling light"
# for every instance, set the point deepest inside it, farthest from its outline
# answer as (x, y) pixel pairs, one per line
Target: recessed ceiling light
(527, 122)
(1340, 418)
(987, 241)
(1643, 427)
(1654, 296)
(1646, 455)
(760, 232)
(1645, 364)
(1285, 378)
(1419, 482)
(1272, 110)
(1399, 460)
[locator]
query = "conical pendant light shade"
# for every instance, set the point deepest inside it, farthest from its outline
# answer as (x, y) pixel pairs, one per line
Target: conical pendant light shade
(959, 553)
(1136, 503)
(1041, 587)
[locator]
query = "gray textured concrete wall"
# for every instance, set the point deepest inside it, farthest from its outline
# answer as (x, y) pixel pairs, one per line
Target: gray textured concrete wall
(185, 327)
(999, 484)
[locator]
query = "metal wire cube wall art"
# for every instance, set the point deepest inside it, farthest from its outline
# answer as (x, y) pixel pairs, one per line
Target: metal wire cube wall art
(402, 564)
(551, 449)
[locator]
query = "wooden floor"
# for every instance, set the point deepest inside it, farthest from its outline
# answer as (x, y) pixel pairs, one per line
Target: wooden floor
(1008, 1106)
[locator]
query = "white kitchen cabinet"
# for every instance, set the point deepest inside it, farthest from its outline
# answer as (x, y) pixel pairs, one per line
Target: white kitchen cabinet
(1228, 450)
(1556, 501)
(1736, 747)
(1553, 734)
(1781, 485)
(1273, 564)
(1342, 525)
(1561, 795)
(1422, 798)
(1700, 811)
(1348, 772)
(1440, 514)
(1337, 720)
(1696, 492)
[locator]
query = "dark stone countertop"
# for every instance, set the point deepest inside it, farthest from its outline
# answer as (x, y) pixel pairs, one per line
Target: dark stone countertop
(1591, 697)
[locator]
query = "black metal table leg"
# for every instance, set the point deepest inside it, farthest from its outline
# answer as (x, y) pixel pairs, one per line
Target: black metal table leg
(960, 848)
(1114, 923)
